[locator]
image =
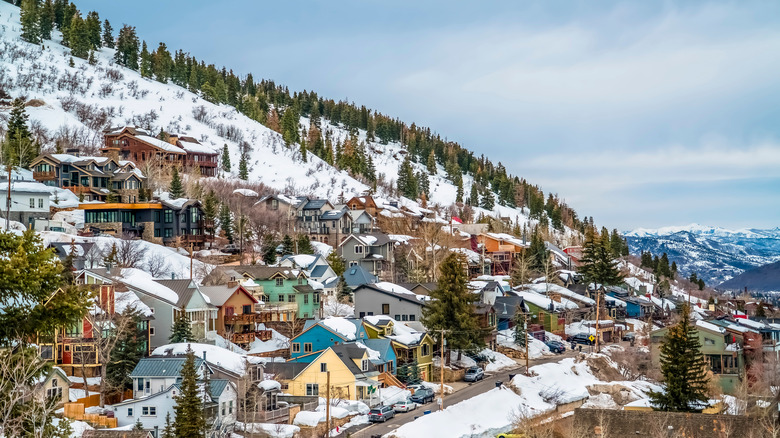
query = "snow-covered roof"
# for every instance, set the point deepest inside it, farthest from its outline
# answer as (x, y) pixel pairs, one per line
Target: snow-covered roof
(218, 356)
(402, 333)
(545, 288)
(25, 187)
(345, 327)
(246, 192)
(542, 301)
(507, 238)
(144, 281)
(396, 289)
(197, 148)
(164, 145)
(711, 327)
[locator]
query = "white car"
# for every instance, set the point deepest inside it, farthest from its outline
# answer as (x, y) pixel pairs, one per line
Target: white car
(405, 406)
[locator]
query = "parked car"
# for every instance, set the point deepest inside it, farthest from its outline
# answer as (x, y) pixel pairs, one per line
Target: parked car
(555, 346)
(422, 396)
(581, 338)
(231, 248)
(380, 414)
(473, 374)
(405, 406)
(415, 387)
(629, 336)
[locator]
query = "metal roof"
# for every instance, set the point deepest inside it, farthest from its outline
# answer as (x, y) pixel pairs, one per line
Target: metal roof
(161, 366)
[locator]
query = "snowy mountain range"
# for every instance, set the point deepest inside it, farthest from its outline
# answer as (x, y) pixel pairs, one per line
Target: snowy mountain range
(71, 96)
(713, 253)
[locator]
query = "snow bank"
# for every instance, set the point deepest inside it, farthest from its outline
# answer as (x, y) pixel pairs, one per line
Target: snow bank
(497, 361)
(272, 430)
(394, 394)
(536, 348)
(218, 356)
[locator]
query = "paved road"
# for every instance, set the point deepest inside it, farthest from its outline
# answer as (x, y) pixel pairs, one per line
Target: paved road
(473, 389)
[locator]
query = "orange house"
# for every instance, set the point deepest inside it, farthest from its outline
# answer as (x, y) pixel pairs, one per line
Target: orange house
(366, 203)
(501, 248)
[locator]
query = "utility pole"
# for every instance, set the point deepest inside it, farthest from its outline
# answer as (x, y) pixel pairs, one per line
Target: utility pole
(8, 200)
(190, 261)
(525, 332)
(598, 308)
(441, 372)
(327, 405)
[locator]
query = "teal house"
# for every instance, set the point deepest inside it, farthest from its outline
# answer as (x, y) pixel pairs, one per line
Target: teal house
(284, 290)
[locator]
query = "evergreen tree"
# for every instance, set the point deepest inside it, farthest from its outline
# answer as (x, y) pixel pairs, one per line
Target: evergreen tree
(167, 431)
(181, 331)
(46, 20)
(210, 212)
(407, 184)
(304, 245)
(452, 307)
(537, 253)
(127, 46)
(424, 184)
(431, 163)
(473, 196)
(269, 249)
(684, 368)
(30, 20)
(146, 61)
(225, 159)
(520, 332)
(176, 189)
(18, 148)
(459, 188)
(673, 270)
(488, 200)
(616, 243)
(108, 35)
(760, 311)
(190, 421)
(162, 63)
(112, 258)
(288, 245)
(597, 263)
(78, 38)
(243, 167)
(290, 125)
(226, 222)
(138, 425)
(130, 348)
(343, 291)
(92, 26)
(701, 284)
(336, 263)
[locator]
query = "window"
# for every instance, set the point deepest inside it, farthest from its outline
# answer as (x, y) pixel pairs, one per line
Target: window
(316, 298)
(247, 308)
(398, 317)
(149, 411)
(279, 282)
(230, 407)
(129, 412)
(296, 347)
(224, 406)
(168, 216)
(323, 367)
(194, 215)
(306, 299)
(351, 264)
(300, 280)
(358, 249)
(404, 318)
(32, 202)
(364, 365)
(708, 341)
(151, 331)
(291, 298)
(385, 309)
(280, 298)
(307, 347)
(362, 314)
(40, 202)
(168, 232)
(426, 349)
(157, 232)
(411, 317)
(140, 385)
(312, 389)
(54, 394)
(54, 383)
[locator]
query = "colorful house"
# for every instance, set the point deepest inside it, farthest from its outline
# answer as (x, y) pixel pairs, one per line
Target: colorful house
(236, 316)
(284, 289)
(546, 311)
(317, 336)
(409, 340)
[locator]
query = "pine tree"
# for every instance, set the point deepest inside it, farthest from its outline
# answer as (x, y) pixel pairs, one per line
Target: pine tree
(269, 249)
(407, 183)
(452, 307)
(537, 253)
(520, 332)
(78, 38)
(190, 421)
(597, 263)
(488, 200)
(19, 149)
(30, 20)
(225, 159)
(243, 167)
(108, 35)
(112, 258)
(210, 212)
(424, 184)
(226, 222)
(473, 196)
(181, 331)
(304, 245)
(343, 291)
(167, 431)
(127, 46)
(129, 349)
(431, 163)
(176, 189)
(336, 263)
(459, 189)
(684, 369)
(290, 125)
(146, 61)
(616, 243)
(46, 20)
(288, 245)
(162, 63)
(138, 425)
(92, 26)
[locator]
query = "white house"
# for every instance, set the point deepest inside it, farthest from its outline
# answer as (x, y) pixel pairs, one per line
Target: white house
(29, 200)
(157, 374)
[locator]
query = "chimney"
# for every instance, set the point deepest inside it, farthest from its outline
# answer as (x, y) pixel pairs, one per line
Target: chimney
(156, 431)
(173, 276)
(108, 268)
(204, 355)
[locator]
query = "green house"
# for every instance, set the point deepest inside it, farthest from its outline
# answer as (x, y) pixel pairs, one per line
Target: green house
(546, 311)
(285, 289)
(722, 349)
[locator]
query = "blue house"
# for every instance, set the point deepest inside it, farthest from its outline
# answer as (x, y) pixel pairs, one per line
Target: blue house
(386, 362)
(637, 308)
(317, 336)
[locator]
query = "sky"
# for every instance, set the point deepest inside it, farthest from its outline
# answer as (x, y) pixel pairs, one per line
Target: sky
(641, 114)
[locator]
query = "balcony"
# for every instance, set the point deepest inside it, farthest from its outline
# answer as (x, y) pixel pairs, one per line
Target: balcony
(45, 175)
(275, 416)
(247, 338)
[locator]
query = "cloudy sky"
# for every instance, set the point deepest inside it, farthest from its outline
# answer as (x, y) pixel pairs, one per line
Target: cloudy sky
(642, 114)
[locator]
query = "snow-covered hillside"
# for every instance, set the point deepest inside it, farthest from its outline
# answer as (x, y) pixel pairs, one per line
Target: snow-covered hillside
(84, 99)
(713, 253)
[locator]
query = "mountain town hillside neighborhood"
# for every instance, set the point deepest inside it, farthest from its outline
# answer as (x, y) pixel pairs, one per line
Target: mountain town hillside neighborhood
(186, 252)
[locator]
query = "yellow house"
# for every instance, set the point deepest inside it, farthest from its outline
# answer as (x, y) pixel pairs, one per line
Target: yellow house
(352, 375)
(53, 386)
(410, 341)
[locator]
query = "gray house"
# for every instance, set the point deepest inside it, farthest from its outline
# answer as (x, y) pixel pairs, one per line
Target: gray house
(167, 299)
(387, 299)
(373, 252)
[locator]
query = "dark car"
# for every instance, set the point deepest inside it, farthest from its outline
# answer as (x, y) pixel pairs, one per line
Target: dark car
(231, 248)
(381, 414)
(581, 338)
(629, 336)
(422, 396)
(473, 374)
(555, 346)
